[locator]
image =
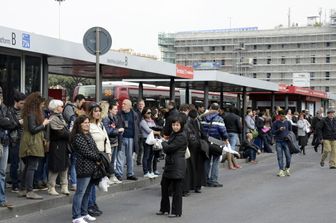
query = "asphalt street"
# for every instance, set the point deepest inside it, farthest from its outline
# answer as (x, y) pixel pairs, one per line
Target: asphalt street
(252, 194)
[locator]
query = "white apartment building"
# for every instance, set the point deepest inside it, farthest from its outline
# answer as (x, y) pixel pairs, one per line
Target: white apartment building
(272, 55)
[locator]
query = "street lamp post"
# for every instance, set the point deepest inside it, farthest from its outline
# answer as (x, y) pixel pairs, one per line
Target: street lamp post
(59, 17)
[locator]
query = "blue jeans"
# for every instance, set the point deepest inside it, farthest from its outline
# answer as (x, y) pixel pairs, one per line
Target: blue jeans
(14, 161)
(147, 158)
(233, 139)
(92, 197)
(73, 175)
(281, 149)
(126, 150)
(212, 169)
(41, 174)
(81, 197)
(3, 167)
(251, 154)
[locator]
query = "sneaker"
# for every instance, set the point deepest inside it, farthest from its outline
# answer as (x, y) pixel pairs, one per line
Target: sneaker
(33, 195)
(156, 172)
(216, 184)
(281, 173)
(116, 180)
(79, 220)
(22, 193)
(15, 190)
(332, 167)
(287, 173)
(119, 178)
(154, 175)
(148, 175)
(89, 218)
(132, 178)
(322, 163)
(6, 205)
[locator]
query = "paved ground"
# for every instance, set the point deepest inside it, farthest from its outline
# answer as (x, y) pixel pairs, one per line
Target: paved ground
(252, 194)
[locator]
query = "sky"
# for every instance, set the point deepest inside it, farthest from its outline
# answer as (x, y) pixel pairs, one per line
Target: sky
(135, 24)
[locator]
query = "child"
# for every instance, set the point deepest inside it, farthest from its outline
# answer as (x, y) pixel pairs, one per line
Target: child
(249, 149)
(174, 170)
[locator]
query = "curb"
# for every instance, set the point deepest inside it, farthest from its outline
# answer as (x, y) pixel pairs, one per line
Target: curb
(31, 206)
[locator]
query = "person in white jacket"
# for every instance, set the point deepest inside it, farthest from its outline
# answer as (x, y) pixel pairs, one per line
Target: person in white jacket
(303, 130)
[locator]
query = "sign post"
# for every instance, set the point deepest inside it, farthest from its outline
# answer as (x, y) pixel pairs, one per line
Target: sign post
(97, 41)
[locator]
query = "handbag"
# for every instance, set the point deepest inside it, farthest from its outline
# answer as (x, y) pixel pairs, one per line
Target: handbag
(254, 133)
(215, 146)
(150, 140)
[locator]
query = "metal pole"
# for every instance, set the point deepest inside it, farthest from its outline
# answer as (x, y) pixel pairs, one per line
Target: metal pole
(221, 97)
(59, 20)
(187, 94)
(98, 90)
(206, 95)
(172, 89)
(141, 90)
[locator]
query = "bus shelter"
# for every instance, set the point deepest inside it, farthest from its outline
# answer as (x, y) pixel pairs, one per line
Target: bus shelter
(27, 59)
(215, 81)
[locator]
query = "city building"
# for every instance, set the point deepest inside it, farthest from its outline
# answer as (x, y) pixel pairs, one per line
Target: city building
(276, 55)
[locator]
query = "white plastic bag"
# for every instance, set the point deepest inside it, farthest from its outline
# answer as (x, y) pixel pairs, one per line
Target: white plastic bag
(157, 145)
(150, 139)
(187, 153)
(104, 184)
(227, 148)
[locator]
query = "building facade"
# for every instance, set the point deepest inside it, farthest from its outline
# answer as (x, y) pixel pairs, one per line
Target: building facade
(272, 55)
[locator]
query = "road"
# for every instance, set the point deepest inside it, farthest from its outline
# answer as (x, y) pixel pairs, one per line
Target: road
(253, 194)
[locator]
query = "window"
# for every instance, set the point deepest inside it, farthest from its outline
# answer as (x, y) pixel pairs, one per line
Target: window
(223, 62)
(254, 75)
(282, 46)
(269, 46)
(33, 74)
(268, 76)
(299, 45)
(283, 60)
(268, 60)
(297, 59)
(254, 47)
(312, 88)
(312, 59)
(10, 77)
(282, 76)
(326, 89)
(223, 48)
(312, 75)
(327, 44)
(328, 59)
(254, 61)
(327, 75)
(212, 48)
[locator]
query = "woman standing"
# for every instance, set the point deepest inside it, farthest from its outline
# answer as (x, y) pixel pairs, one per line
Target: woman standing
(174, 170)
(58, 155)
(87, 158)
(303, 128)
(145, 127)
(32, 142)
(99, 135)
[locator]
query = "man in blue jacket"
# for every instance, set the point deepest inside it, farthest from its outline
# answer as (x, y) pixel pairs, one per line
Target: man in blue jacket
(280, 130)
(213, 125)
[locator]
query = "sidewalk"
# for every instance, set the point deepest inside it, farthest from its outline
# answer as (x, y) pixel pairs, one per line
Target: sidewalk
(24, 206)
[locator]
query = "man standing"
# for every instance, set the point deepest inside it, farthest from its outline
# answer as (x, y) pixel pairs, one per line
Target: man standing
(15, 137)
(6, 124)
(130, 123)
(213, 125)
(138, 110)
(280, 130)
(326, 133)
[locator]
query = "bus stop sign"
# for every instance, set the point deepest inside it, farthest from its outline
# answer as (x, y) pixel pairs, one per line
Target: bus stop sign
(105, 40)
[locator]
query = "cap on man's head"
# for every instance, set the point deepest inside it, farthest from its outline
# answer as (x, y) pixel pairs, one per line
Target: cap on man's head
(330, 110)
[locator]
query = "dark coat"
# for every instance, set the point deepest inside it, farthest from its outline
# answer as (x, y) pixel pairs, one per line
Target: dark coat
(135, 127)
(87, 155)
(326, 129)
(58, 149)
(114, 136)
(175, 148)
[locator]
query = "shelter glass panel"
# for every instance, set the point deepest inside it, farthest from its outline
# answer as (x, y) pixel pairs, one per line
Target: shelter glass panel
(10, 76)
(33, 74)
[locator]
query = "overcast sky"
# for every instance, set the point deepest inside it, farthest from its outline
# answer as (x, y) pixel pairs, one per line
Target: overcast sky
(135, 24)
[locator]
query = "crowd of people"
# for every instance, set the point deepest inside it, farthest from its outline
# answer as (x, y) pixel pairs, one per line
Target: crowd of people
(63, 143)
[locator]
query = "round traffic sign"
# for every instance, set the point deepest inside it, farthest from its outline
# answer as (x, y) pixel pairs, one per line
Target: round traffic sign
(105, 40)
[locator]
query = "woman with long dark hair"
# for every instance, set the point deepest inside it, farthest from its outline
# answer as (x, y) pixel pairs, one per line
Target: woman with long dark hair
(87, 158)
(32, 142)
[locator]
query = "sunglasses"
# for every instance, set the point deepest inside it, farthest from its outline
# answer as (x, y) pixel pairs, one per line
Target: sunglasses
(148, 113)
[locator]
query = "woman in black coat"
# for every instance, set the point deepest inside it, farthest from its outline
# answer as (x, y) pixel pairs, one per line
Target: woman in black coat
(174, 170)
